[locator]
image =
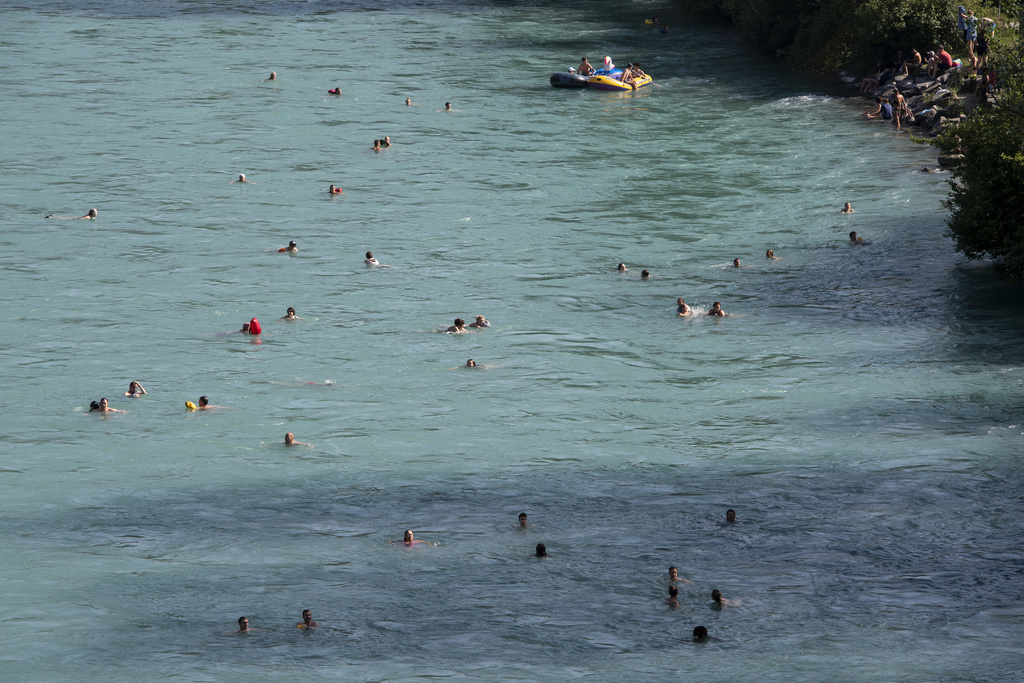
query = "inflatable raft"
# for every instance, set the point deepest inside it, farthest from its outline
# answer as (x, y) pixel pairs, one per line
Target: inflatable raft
(566, 79)
(609, 83)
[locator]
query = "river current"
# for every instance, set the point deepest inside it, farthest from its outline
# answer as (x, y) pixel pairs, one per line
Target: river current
(860, 407)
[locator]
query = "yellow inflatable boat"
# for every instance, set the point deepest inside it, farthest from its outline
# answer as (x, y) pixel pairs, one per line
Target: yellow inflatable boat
(610, 83)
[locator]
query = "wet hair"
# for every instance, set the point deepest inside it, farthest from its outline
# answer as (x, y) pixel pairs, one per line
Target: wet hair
(769, 253)
(103, 400)
(645, 273)
(699, 633)
(522, 515)
(290, 310)
(716, 595)
(673, 591)
(305, 612)
(95, 405)
(853, 235)
(369, 254)
(459, 321)
(671, 568)
(241, 619)
(717, 303)
(542, 550)
(203, 400)
(730, 514)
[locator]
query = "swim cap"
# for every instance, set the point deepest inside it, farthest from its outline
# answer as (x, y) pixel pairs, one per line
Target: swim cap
(190, 405)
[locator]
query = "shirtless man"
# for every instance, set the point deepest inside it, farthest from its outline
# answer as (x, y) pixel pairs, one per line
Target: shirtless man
(673, 576)
(289, 440)
(376, 146)
(409, 541)
(621, 268)
(386, 142)
(471, 364)
(307, 620)
(716, 310)
(241, 179)
(243, 624)
(370, 261)
(682, 310)
(645, 274)
(770, 255)
(854, 239)
(730, 515)
(459, 327)
(481, 322)
(585, 69)
(135, 390)
(204, 404)
(673, 603)
(447, 106)
(291, 248)
(245, 328)
(92, 214)
(273, 77)
(847, 208)
(105, 408)
(736, 263)
(290, 315)
(716, 595)
(522, 520)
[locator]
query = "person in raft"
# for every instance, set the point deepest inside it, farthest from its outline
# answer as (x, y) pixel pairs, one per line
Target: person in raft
(370, 261)
(458, 328)
(585, 68)
(291, 248)
(135, 390)
(91, 214)
(334, 190)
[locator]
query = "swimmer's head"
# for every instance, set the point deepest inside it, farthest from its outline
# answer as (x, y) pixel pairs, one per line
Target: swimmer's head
(769, 254)
(290, 311)
(203, 401)
(480, 319)
(673, 573)
(92, 213)
(716, 595)
(730, 515)
(459, 322)
(292, 244)
(289, 438)
(522, 515)
(448, 106)
(245, 327)
(542, 550)
(681, 301)
(243, 624)
(621, 267)
(132, 385)
(699, 633)
(853, 236)
(645, 274)
(408, 100)
(103, 403)
(408, 536)
(470, 363)
(307, 616)
(369, 254)
(736, 263)
(846, 206)
(273, 75)
(241, 177)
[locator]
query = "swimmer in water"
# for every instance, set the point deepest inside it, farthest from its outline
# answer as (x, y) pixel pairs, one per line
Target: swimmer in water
(409, 541)
(471, 363)
(105, 407)
(135, 390)
(716, 595)
(334, 91)
(621, 268)
(289, 440)
(673, 603)
(682, 310)
(542, 551)
(847, 208)
(91, 214)
(481, 322)
(291, 248)
(334, 190)
(522, 520)
(273, 77)
(645, 274)
(447, 106)
(376, 145)
(770, 255)
(716, 310)
(241, 179)
(854, 239)
(370, 261)
(700, 634)
(730, 515)
(290, 315)
(243, 624)
(245, 328)
(459, 327)
(204, 404)
(673, 576)
(386, 142)
(307, 620)
(408, 101)
(736, 263)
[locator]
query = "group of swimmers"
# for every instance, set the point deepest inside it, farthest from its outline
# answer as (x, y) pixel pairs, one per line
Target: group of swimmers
(409, 540)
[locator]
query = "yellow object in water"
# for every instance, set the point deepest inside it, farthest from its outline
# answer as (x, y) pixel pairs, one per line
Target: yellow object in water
(609, 83)
(190, 405)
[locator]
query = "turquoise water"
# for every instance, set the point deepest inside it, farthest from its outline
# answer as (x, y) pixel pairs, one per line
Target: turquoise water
(860, 408)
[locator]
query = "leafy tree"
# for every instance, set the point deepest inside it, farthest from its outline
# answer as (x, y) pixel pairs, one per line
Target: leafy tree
(986, 201)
